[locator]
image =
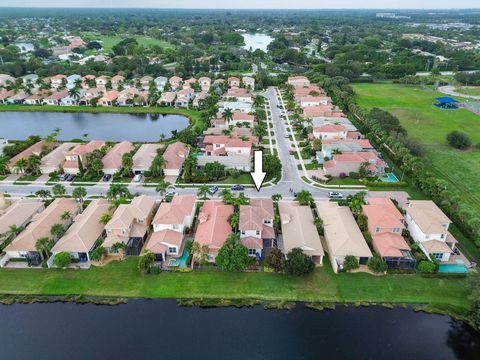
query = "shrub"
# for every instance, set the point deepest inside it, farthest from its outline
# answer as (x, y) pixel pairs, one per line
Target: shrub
(459, 140)
(275, 260)
(342, 175)
(62, 259)
(353, 175)
(350, 263)
(298, 263)
(377, 265)
(426, 266)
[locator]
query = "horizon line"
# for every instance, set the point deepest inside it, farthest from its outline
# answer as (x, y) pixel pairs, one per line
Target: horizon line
(216, 8)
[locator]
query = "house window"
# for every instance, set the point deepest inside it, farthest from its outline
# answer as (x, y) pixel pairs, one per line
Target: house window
(257, 232)
(124, 231)
(268, 221)
(172, 250)
(377, 230)
(175, 226)
(442, 236)
(252, 251)
(396, 230)
(243, 232)
(437, 256)
(141, 221)
(427, 236)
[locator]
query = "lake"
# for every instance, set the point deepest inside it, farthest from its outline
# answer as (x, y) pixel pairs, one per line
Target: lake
(256, 41)
(102, 126)
(158, 329)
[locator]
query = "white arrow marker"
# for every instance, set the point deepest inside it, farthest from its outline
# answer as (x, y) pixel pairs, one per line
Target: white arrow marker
(258, 175)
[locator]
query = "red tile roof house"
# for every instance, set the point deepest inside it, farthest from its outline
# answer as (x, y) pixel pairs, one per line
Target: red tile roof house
(322, 110)
(90, 94)
(231, 151)
(167, 98)
(309, 100)
(213, 227)
(298, 81)
(175, 82)
(80, 153)
(5, 79)
(233, 82)
(145, 82)
(56, 97)
(344, 164)
(238, 94)
(102, 81)
(330, 132)
(174, 156)
(4, 95)
(301, 91)
(130, 224)
(385, 224)
(35, 149)
(256, 226)
(109, 99)
(57, 80)
(199, 97)
(112, 161)
(117, 80)
(85, 81)
(184, 97)
(36, 99)
(170, 223)
(241, 118)
(54, 160)
(132, 96)
(189, 82)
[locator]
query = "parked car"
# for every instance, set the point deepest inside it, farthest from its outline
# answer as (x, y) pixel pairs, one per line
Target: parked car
(238, 187)
(137, 178)
(63, 177)
(106, 177)
(286, 136)
(70, 177)
(291, 152)
(213, 189)
(335, 195)
(171, 193)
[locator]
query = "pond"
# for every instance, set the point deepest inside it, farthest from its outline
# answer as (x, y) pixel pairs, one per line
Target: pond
(158, 329)
(101, 126)
(256, 41)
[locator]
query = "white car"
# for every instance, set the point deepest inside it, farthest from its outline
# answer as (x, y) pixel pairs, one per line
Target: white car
(171, 193)
(138, 178)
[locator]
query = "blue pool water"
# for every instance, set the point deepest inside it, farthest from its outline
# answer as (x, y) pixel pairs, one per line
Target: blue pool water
(389, 177)
(452, 268)
(180, 262)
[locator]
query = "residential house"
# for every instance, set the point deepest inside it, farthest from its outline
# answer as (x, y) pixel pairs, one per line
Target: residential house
(79, 154)
(385, 225)
(298, 81)
(248, 82)
(72, 81)
(108, 99)
(310, 100)
(213, 227)
(167, 98)
(230, 151)
(117, 81)
(242, 119)
(160, 82)
(175, 82)
(102, 82)
(70, 100)
(238, 94)
(184, 97)
(174, 156)
(130, 225)
(54, 160)
(299, 231)
(145, 82)
(233, 82)
(112, 161)
(37, 98)
(30, 79)
(245, 107)
(18, 98)
(143, 158)
(5, 94)
(56, 97)
(189, 82)
(58, 80)
(170, 223)
(342, 235)
(256, 226)
(90, 94)
(6, 79)
(330, 132)
(19, 213)
(35, 149)
(322, 110)
(79, 240)
(300, 92)
(132, 96)
(205, 83)
(428, 227)
(24, 245)
(345, 163)
(199, 97)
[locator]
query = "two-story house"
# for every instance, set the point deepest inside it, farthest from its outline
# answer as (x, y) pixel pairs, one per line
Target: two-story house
(428, 226)
(256, 226)
(170, 223)
(130, 224)
(231, 151)
(330, 132)
(79, 154)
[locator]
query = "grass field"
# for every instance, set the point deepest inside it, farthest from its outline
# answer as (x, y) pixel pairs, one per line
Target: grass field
(122, 279)
(430, 125)
(109, 41)
(470, 90)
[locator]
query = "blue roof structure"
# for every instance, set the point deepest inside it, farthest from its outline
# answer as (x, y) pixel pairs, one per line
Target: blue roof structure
(446, 100)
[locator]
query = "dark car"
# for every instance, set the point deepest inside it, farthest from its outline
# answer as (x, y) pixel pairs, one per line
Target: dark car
(238, 187)
(213, 189)
(106, 177)
(70, 177)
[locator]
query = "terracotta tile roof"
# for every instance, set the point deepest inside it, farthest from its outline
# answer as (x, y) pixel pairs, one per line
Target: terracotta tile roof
(241, 116)
(175, 211)
(330, 128)
(19, 212)
(144, 156)
(390, 245)
(113, 158)
(159, 241)
(213, 226)
(175, 155)
(34, 149)
(382, 214)
(86, 148)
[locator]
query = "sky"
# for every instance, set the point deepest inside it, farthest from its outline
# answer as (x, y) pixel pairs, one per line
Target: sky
(249, 4)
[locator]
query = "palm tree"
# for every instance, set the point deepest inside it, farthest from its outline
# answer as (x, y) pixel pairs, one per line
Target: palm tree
(105, 218)
(3, 165)
(157, 165)
(162, 187)
(79, 193)
(227, 114)
(234, 220)
(21, 165)
(43, 246)
(66, 215)
(227, 196)
(118, 190)
(276, 197)
(58, 190)
(33, 164)
(44, 194)
(117, 202)
(199, 253)
(203, 191)
(12, 233)
(304, 197)
(57, 231)
(74, 93)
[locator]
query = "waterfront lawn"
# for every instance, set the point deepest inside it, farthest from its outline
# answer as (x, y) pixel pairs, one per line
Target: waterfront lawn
(108, 42)
(122, 279)
(413, 105)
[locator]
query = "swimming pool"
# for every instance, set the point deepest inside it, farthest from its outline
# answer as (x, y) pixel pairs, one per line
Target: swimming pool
(180, 262)
(452, 268)
(389, 177)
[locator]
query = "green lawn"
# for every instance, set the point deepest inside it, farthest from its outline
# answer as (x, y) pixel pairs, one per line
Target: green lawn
(430, 125)
(109, 41)
(121, 279)
(470, 90)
